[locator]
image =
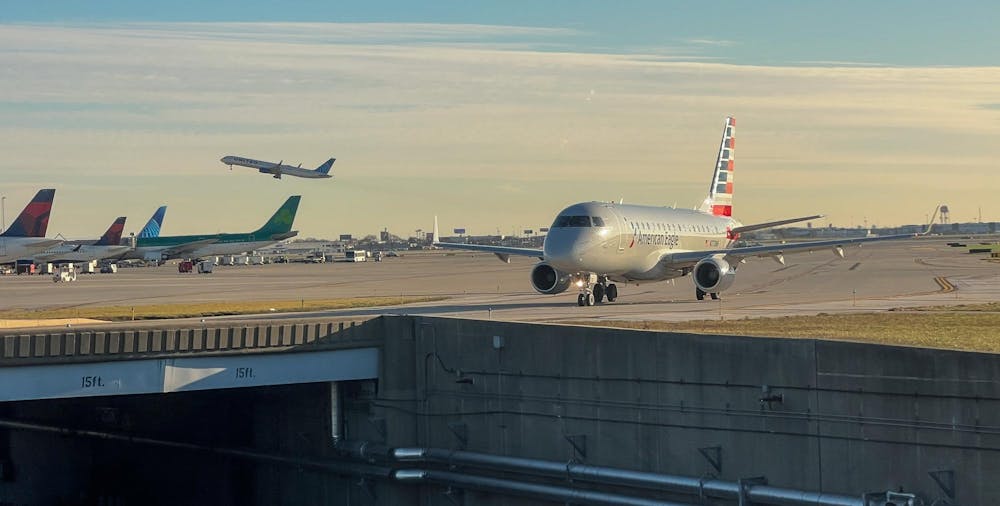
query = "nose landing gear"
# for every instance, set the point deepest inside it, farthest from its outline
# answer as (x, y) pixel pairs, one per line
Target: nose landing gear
(596, 291)
(700, 294)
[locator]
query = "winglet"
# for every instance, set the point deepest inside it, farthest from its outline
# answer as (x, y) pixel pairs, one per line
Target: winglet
(930, 224)
(435, 237)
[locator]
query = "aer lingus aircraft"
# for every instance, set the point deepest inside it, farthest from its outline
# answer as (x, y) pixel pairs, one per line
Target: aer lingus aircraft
(593, 245)
(277, 169)
(278, 228)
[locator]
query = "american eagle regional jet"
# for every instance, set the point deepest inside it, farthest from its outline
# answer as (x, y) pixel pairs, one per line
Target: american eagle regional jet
(593, 245)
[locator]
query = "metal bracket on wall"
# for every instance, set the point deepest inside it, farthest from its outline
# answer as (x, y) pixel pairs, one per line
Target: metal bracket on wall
(461, 432)
(378, 423)
(579, 443)
(945, 478)
(745, 484)
(367, 486)
(455, 495)
(713, 454)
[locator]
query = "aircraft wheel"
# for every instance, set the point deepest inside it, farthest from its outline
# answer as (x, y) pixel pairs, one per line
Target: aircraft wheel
(599, 293)
(612, 292)
(581, 300)
(715, 295)
(700, 295)
(589, 299)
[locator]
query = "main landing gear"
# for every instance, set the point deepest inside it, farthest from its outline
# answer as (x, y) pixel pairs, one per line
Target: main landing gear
(700, 294)
(595, 293)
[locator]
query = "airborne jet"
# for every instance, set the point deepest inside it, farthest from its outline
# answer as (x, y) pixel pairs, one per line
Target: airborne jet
(594, 245)
(277, 169)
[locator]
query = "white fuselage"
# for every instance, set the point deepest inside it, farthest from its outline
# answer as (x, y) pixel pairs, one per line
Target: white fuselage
(273, 168)
(65, 253)
(627, 243)
(13, 249)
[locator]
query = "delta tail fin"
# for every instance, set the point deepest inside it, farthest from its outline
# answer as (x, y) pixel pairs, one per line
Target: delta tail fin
(114, 234)
(281, 222)
(720, 194)
(325, 168)
(152, 228)
(34, 219)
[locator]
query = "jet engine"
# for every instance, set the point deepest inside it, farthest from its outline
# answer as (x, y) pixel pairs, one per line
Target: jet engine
(546, 279)
(714, 274)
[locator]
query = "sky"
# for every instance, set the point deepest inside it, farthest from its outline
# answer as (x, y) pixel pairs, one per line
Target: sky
(495, 115)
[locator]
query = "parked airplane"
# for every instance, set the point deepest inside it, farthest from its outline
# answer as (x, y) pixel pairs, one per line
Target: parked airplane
(594, 245)
(105, 247)
(152, 228)
(26, 236)
(278, 228)
(323, 171)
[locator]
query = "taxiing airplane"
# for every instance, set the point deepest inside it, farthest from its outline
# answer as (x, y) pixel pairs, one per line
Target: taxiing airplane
(593, 245)
(26, 236)
(106, 247)
(278, 228)
(277, 169)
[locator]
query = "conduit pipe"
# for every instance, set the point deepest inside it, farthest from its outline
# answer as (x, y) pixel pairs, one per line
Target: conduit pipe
(762, 494)
(524, 489)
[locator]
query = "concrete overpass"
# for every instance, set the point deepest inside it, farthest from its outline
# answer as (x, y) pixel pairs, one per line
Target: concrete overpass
(414, 410)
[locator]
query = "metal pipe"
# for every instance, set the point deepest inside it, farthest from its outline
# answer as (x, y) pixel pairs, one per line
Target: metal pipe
(336, 432)
(524, 489)
(623, 477)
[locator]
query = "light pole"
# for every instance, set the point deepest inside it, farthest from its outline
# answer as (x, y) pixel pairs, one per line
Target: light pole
(3, 214)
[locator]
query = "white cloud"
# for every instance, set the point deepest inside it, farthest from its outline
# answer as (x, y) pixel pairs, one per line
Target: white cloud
(458, 112)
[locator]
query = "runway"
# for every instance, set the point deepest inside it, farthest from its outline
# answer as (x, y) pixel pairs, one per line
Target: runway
(873, 278)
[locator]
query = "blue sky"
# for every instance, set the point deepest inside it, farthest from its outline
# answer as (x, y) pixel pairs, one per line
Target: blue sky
(892, 32)
(495, 115)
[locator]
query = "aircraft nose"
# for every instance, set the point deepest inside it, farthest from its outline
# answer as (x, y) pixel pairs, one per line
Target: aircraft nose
(566, 248)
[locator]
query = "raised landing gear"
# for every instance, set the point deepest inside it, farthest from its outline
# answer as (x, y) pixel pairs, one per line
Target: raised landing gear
(596, 291)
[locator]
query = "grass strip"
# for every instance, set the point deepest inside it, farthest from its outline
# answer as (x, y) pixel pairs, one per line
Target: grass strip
(954, 330)
(202, 309)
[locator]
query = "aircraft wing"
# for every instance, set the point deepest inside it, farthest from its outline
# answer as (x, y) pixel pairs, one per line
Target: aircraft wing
(502, 252)
(188, 247)
(776, 251)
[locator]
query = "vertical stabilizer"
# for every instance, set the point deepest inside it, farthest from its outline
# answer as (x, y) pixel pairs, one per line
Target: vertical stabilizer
(152, 228)
(114, 234)
(325, 168)
(720, 194)
(34, 219)
(281, 221)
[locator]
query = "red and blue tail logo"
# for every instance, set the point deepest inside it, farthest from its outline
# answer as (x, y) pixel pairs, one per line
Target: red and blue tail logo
(34, 219)
(720, 194)
(114, 234)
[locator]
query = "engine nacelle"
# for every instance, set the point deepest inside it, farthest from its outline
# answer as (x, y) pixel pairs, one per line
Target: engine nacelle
(548, 280)
(713, 274)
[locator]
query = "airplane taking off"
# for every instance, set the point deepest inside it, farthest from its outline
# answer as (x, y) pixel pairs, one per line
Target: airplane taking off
(105, 247)
(278, 228)
(323, 171)
(26, 236)
(594, 245)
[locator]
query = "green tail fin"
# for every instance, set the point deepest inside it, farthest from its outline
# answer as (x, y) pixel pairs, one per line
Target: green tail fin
(281, 222)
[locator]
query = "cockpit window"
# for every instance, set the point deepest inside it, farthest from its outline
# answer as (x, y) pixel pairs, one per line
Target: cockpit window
(571, 221)
(598, 221)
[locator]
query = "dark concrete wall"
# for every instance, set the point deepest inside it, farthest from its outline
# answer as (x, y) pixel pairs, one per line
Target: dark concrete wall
(853, 417)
